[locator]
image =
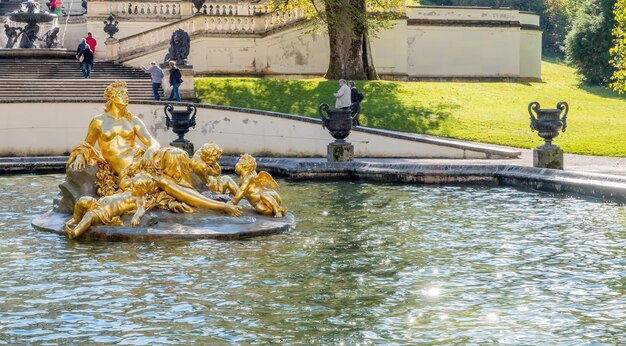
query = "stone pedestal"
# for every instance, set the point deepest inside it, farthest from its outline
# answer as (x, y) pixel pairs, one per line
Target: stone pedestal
(113, 48)
(340, 152)
(548, 157)
(186, 90)
(186, 146)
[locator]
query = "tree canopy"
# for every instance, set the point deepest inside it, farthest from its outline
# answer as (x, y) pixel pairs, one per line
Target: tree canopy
(349, 24)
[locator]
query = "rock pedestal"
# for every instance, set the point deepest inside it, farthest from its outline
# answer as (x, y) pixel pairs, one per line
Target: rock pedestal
(548, 157)
(340, 152)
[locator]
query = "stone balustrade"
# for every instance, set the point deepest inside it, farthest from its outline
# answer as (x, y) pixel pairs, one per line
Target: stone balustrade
(140, 9)
(234, 9)
(273, 20)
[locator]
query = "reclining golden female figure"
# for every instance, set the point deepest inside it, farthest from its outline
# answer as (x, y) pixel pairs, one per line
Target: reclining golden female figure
(252, 186)
(119, 134)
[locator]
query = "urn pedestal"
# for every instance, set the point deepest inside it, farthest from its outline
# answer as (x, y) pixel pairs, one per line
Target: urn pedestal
(180, 121)
(548, 123)
(340, 152)
(339, 124)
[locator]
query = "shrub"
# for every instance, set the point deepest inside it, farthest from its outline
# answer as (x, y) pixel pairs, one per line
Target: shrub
(588, 43)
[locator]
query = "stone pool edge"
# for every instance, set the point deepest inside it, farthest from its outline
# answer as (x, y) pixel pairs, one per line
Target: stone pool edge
(603, 186)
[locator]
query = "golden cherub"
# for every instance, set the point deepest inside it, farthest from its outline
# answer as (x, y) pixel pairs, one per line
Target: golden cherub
(252, 186)
(204, 164)
(108, 210)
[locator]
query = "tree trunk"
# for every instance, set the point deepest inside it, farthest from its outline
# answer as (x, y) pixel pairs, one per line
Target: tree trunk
(368, 64)
(345, 35)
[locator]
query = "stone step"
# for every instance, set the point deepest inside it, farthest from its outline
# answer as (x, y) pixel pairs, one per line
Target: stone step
(61, 79)
(62, 69)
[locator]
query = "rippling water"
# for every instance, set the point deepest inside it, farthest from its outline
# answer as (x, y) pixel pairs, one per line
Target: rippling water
(366, 264)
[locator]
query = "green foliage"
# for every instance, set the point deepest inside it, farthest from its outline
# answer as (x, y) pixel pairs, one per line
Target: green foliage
(378, 16)
(618, 53)
(588, 43)
(484, 112)
(556, 22)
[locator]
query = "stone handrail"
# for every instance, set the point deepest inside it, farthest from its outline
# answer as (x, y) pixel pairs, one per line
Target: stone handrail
(234, 9)
(172, 9)
(140, 9)
(206, 24)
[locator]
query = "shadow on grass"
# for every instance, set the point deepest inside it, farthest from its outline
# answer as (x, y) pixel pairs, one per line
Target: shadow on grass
(602, 91)
(386, 105)
(592, 89)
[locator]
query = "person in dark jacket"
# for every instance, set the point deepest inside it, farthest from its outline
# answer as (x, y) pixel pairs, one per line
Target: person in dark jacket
(87, 64)
(176, 79)
(355, 97)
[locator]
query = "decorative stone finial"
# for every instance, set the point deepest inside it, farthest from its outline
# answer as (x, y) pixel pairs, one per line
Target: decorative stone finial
(110, 27)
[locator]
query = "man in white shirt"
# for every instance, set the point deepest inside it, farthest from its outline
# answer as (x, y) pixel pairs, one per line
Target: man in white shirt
(157, 78)
(343, 95)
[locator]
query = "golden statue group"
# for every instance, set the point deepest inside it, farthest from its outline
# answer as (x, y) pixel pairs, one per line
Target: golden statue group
(136, 175)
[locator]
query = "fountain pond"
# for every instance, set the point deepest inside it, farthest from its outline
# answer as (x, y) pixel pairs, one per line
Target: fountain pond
(365, 264)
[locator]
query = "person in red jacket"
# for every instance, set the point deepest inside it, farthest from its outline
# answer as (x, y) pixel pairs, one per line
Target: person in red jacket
(91, 41)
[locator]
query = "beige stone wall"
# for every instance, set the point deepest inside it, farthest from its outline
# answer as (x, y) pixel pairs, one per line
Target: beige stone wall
(41, 130)
(530, 54)
(431, 42)
(435, 51)
(390, 50)
(287, 52)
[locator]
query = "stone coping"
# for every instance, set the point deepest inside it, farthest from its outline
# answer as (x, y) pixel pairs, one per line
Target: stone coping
(490, 151)
(602, 186)
(35, 53)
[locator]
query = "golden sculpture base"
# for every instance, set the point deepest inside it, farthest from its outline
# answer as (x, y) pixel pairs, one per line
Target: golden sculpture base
(163, 225)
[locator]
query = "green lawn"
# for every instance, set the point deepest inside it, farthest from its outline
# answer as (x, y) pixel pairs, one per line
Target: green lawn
(483, 112)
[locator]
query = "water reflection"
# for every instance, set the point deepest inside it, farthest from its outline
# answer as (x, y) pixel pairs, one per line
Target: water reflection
(366, 264)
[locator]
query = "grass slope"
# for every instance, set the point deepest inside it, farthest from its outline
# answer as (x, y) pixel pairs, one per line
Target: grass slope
(483, 112)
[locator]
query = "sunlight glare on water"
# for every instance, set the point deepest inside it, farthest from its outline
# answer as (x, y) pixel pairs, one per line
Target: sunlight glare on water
(365, 264)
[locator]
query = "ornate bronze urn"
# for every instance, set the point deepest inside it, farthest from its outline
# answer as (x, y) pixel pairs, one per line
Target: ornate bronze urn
(548, 122)
(180, 121)
(338, 122)
(110, 26)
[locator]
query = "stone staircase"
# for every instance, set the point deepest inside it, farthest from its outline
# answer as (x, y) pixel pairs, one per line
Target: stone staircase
(62, 79)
